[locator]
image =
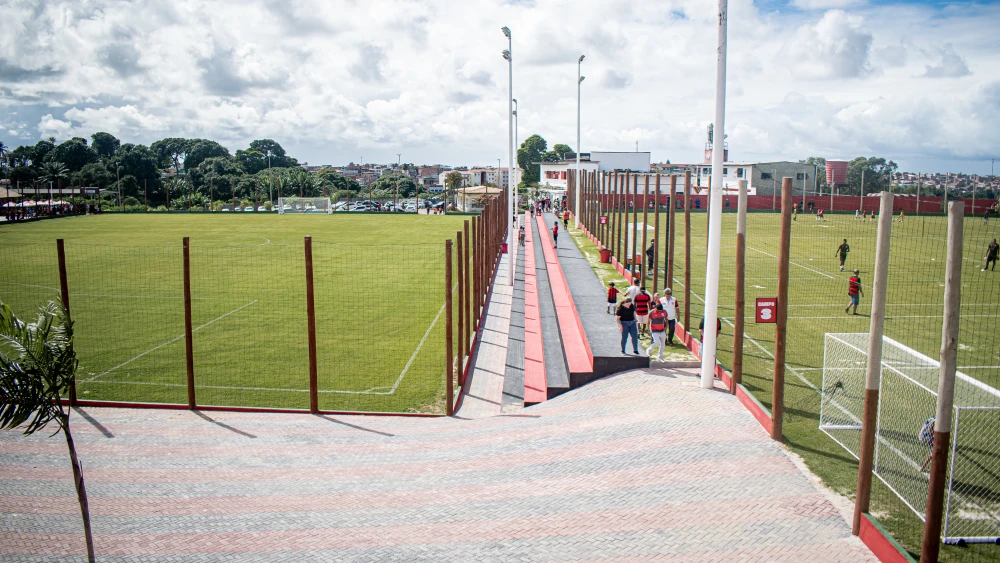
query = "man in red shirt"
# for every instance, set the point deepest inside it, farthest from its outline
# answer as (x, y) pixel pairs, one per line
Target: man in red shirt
(566, 218)
(855, 291)
(642, 302)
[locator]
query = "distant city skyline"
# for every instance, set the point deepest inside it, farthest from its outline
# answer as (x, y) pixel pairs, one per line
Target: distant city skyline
(914, 82)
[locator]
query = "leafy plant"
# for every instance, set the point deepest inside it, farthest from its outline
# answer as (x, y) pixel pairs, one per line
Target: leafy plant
(37, 367)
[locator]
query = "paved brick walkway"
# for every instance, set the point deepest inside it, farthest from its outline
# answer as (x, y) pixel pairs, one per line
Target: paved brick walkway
(641, 466)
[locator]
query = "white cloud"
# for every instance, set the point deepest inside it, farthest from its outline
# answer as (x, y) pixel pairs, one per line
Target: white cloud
(425, 77)
(827, 4)
(951, 65)
(837, 46)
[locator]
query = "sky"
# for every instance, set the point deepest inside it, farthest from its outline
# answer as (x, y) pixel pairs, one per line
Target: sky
(336, 81)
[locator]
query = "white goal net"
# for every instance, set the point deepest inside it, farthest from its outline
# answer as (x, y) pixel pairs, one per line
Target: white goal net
(907, 399)
(305, 205)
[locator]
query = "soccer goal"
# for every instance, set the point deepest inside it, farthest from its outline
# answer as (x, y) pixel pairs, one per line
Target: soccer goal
(305, 205)
(907, 399)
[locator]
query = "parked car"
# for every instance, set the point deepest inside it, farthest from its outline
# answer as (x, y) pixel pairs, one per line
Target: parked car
(359, 207)
(248, 208)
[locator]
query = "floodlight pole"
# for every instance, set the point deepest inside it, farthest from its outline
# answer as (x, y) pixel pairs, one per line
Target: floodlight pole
(715, 209)
(513, 173)
(509, 55)
(576, 182)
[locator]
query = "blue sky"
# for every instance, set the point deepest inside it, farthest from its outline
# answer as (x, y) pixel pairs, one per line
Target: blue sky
(912, 81)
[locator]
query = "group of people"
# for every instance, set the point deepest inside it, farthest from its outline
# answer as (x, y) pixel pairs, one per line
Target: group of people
(639, 313)
(12, 214)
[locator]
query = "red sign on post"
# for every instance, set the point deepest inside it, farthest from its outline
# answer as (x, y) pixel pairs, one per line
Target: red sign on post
(603, 220)
(767, 310)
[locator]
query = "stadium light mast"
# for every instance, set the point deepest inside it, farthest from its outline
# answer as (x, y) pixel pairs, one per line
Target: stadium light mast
(715, 208)
(576, 180)
(515, 176)
(508, 54)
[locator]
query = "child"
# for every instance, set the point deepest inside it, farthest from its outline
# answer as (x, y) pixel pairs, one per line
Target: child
(612, 298)
(520, 235)
(555, 234)
(657, 330)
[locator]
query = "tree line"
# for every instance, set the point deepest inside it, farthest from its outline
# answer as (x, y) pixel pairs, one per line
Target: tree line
(182, 171)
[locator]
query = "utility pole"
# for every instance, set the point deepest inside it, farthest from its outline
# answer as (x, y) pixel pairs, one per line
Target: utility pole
(576, 199)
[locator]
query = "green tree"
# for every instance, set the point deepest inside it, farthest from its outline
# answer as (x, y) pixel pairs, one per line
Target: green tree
(74, 153)
(170, 151)
(37, 153)
(202, 149)
(37, 367)
(270, 148)
(55, 172)
(22, 175)
(561, 150)
(877, 173)
(530, 151)
(396, 184)
(140, 162)
(252, 161)
(105, 144)
(96, 174)
(20, 156)
(3, 156)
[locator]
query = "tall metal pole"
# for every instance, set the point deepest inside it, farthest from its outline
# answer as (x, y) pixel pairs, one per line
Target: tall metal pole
(515, 173)
(510, 153)
(946, 386)
(579, 81)
(715, 208)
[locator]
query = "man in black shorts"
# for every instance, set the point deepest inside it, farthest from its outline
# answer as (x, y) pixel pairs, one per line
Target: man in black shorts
(843, 249)
(991, 255)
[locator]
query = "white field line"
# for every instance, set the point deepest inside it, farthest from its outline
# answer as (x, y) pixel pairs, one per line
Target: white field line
(30, 285)
(366, 392)
(417, 350)
(792, 262)
(167, 343)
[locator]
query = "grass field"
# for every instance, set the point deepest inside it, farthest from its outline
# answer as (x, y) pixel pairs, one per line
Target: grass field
(379, 294)
(817, 298)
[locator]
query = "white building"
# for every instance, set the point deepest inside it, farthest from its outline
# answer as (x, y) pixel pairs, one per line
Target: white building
(480, 177)
(553, 174)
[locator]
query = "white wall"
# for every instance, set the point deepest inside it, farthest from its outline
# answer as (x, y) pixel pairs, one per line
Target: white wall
(635, 161)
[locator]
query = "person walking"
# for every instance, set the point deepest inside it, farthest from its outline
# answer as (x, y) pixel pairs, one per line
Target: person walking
(520, 235)
(991, 255)
(842, 250)
(633, 289)
(671, 308)
(855, 291)
(555, 234)
(566, 218)
(649, 254)
(612, 298)
(642, 302)
(657, 330)
(626, 324)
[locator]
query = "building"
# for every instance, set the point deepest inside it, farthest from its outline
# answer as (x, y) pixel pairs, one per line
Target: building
(763, 178)
(553, 174)
(479, 177)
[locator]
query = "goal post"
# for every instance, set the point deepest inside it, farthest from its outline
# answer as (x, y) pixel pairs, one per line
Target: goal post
(908, 398)
(305, 205)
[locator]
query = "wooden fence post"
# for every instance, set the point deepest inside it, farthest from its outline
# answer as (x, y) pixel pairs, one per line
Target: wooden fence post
(617, 231)
(635, 226)
(645, 230)
(687, 253)
(946, 385)
(311, 327)
(671, 220)
(873, 373)
(656, 236)
(450, 358)
(466, 305)
(460, 349)
(781, 311)
(64, 293)
(188, 331)
(741, 265)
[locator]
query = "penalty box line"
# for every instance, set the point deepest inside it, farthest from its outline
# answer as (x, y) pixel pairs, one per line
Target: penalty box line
(169, 342)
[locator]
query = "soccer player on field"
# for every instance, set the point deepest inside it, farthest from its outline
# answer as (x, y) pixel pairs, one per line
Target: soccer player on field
(855, 291)
(991, 255)
(843, 249)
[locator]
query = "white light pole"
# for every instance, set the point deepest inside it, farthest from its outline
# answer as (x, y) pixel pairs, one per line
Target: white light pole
(715, 208)
(515, 174)
(576, 180)
(508, 54)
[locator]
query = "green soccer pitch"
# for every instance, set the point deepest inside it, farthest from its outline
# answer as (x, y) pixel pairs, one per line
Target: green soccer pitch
(816, 303)
(379, 301)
